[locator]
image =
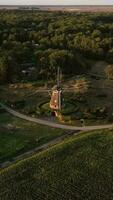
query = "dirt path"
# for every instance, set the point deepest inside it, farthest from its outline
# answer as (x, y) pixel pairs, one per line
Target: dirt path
(54, 124)
(74, 130)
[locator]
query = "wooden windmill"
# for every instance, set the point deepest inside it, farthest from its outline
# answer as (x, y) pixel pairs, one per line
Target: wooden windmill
(56, 97)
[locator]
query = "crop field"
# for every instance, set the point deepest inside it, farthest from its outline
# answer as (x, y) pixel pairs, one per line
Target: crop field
(79, 168)
(18, 136)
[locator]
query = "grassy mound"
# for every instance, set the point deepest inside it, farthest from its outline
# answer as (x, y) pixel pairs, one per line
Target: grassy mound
(80, 168)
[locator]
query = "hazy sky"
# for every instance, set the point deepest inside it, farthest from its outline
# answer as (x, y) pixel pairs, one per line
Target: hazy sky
(56, 2)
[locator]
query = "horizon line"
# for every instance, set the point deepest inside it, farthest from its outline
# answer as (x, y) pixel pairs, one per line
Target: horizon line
(56, 5)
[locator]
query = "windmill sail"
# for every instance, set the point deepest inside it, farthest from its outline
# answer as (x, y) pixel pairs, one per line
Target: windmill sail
(58, 78)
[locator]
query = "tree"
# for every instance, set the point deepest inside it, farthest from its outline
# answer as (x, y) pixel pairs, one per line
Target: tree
(3, 69)
(109, 71)
(109, 57)
(8, 68)
(96, 33)
(63, 59)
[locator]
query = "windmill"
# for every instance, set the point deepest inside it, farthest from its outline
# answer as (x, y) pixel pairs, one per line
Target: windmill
(56, 97)
(56, 93)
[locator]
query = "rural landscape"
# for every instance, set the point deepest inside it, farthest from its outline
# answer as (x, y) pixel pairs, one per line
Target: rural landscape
(56, 102)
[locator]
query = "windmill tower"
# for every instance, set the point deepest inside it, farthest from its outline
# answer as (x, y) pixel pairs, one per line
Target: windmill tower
(56, 97)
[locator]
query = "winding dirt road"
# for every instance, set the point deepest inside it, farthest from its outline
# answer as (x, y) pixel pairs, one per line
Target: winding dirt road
(74, 130)
(53, 124)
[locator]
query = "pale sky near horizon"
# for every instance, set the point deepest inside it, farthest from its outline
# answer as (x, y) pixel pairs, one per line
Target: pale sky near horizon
(56, 2)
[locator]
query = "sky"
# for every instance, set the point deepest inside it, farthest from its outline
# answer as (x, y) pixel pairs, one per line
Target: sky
(56, 2)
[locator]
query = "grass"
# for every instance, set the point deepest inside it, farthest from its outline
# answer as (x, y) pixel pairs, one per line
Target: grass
(79, 168)
(18, 136)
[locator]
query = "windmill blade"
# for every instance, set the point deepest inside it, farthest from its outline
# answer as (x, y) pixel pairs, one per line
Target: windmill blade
(39, 91)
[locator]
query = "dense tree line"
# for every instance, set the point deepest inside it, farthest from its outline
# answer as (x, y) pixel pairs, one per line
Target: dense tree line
(42, 41)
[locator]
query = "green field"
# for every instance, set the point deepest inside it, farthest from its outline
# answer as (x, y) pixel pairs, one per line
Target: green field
(80, 168)
(18, 136)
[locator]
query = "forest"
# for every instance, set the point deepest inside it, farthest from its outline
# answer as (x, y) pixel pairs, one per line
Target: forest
(34, 43)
